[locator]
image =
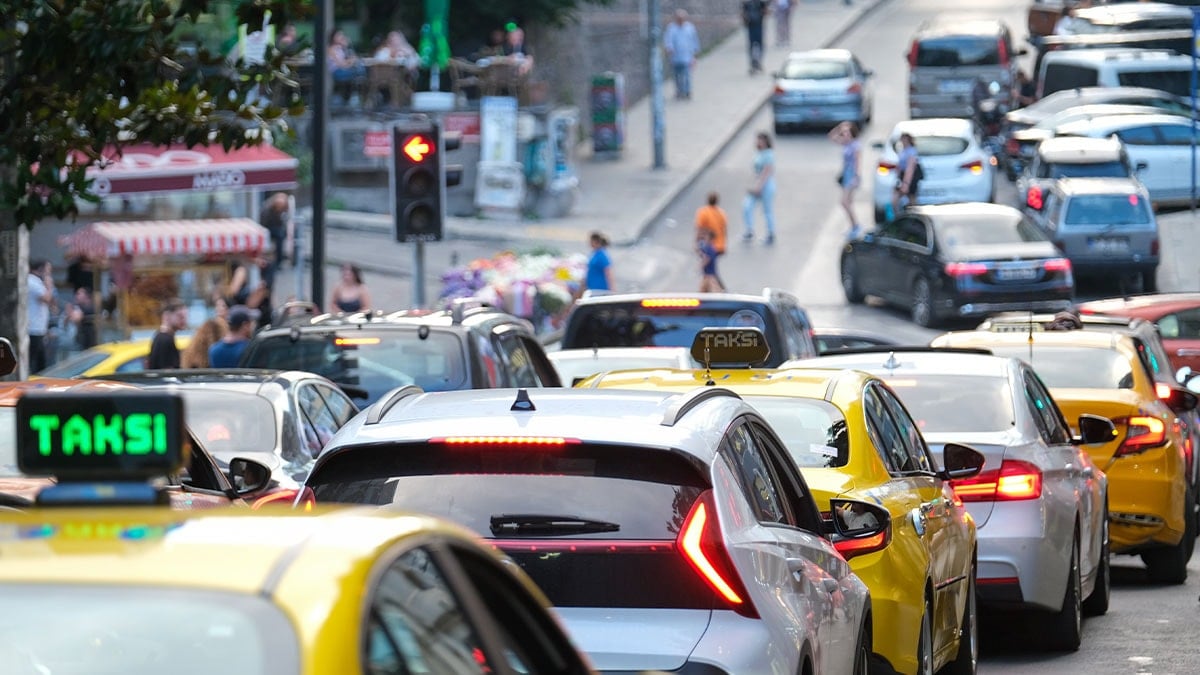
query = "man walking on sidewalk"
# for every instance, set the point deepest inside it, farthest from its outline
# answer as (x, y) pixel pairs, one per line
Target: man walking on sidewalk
(753, 12)
(682, 44)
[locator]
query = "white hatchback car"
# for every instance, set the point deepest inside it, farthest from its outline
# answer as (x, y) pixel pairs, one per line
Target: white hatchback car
(672, 532)
(956, 167)
(1160, 146)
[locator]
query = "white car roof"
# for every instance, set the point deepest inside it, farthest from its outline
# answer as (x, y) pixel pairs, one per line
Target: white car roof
(1110, 123)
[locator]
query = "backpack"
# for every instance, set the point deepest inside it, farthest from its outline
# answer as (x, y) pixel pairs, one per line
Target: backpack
(918, 176)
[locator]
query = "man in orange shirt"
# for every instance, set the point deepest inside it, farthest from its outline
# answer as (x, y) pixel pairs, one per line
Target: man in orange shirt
(710, 218)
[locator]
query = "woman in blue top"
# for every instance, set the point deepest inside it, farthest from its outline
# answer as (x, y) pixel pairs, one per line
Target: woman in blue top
(599, 267)
(762, 191)
(846, 134)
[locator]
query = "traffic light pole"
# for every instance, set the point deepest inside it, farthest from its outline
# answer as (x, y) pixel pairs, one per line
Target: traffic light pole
(657, 112)
(320, 124)
(419, 274)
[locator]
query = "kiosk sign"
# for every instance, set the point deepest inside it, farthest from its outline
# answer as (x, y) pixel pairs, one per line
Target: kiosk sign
(126, 436)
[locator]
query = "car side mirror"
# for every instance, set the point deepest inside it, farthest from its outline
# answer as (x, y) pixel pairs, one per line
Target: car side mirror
(248, 476)
(960, 461)
(1183, 374)
(1094, 430)
(867, 72)
(853, 519)
(8, 357)
(1181, 400)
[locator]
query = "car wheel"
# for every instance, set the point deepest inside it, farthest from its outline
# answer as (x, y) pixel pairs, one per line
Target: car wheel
(854, 293)
(922, 304)
(1064, 630)
(1169, 565)
(1150, 281)
(862, 650)
(925, 642)
(1097, 603)
(880, 215)
(968, 642)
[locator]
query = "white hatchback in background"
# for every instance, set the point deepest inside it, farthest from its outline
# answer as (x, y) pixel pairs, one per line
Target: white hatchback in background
(956, 167)
(1162, 143)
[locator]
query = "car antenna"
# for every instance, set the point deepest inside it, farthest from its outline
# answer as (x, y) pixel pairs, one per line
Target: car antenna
(891, 364)
(523, 403)
(708, 380)
(1029, 339)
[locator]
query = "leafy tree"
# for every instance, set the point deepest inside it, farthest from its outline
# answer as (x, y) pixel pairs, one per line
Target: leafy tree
(80, 79)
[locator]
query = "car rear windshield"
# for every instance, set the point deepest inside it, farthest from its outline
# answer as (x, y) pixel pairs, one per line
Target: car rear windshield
(937, 403)
(1107, 210)
(954, 51)
(72, 629)
(816, 70)
(1171, 81)
(1113, 169)
(633, 325)
(814, 432)
(974, 230)
(1074, 367)
(594, 525)
(377, 361)
(934, 146)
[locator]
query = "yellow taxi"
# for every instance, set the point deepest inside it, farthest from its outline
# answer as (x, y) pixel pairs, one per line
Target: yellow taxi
(1104, 373)
(853, 439)
(100, 577)
(108, 358)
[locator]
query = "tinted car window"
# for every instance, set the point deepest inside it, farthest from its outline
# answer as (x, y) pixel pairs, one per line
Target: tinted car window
(1171, 81)
(1175, 134)
(228, 422)
(757, 479)
(1074, 367)
(974, 231)
(914, 444)
(76, 365)
(816, 70)
(1112, 169)
(933, 146)
(1108, 210)
(1045, 412)
(885, 435)
(953, 51)
(936, 402)
(1138, 136)
(633, 495)
(377, 361)
(1065, 76)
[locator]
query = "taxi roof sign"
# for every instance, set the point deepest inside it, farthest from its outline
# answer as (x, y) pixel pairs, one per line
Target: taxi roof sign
(127, 436)
(740, 346)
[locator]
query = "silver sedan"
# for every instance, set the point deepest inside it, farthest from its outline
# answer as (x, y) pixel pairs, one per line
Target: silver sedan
(821, 86)
(1039, 504)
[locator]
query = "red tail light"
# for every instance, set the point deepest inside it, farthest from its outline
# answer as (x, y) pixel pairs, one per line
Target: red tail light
(912, 55)
(1057, 265)
(303, 499)
(1142, 433)
(532, 441)
(1015, 480)
(1154, 246)
(885, 168)
(1003, 51)
(965, 269)
(855, 88)
(779, 90)
(975, 167)
(1034, 198)
(702, 546)
(1012, 146)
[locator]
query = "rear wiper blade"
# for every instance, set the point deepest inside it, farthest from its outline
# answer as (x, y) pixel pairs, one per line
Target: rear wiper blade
(539, 524)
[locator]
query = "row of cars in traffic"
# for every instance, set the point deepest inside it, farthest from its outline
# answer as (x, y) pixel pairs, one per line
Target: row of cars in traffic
(755, 508)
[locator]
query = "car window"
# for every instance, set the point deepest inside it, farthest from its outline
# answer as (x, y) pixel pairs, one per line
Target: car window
(517, 362)
(958, 50)
(1108, 210)
(542, 368)
(132, 366)
(1154, 361)
(891, 230)
(884, 433)
(1185, 325)
(1046, 415)
(934, 146)
(813, 432)
(974, 231)
(792, 490)
(1176, 134)
(1139, 136)
(1066, 76)
(757, 480)
(811, 69)
(416, 624)
(76, 365)
(914, 231)
(1073, 367)
(318, 422)
(1054, 204)
(914, 444)
(340, 405)
(935, 402)
(1113, 169)
(1171, 81)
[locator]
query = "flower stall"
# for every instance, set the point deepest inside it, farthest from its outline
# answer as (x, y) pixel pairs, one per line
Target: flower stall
(539, 286)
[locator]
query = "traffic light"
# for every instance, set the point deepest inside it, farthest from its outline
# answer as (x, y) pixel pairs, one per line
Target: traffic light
(420, 177)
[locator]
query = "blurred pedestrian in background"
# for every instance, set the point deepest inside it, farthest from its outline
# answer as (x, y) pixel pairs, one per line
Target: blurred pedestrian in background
(350, 294)
(709, 281)
(783, 22)
(599, 267)
(277, 218)
(682, 44)
(82, 315)
(711, 217)
(846, 135)
(753, 12)
(227, 352)
(762, 190)
(195, 355)
(41, 302)
(163, 351)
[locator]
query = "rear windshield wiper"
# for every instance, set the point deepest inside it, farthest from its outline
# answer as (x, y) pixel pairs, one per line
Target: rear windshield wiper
(537, 524)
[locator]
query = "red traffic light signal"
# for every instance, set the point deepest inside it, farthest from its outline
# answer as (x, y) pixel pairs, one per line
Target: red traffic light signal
(418, 147)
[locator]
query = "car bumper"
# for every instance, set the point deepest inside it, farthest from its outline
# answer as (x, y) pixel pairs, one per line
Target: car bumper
(949, 191)
(812, 113)
(984, 305)
(1084, 265)
(1146, 495)
(1020, 563)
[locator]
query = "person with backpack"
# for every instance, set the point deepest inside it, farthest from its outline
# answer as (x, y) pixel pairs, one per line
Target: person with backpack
(908, 168)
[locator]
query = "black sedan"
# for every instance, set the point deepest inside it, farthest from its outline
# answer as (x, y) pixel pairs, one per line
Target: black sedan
(958, 260)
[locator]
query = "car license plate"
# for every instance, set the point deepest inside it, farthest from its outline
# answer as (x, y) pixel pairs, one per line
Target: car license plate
(1016, 273)
(1108, 245)
(955, 86)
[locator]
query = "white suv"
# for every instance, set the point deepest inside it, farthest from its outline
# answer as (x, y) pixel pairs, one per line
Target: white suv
(1115, 67)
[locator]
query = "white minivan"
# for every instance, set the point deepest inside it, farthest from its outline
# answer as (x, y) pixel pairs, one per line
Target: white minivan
(1115, 67)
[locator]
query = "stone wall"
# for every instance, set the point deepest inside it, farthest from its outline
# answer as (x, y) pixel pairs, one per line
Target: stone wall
(616, 38)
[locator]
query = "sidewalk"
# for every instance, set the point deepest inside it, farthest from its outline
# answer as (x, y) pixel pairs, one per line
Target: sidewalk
(624, 197)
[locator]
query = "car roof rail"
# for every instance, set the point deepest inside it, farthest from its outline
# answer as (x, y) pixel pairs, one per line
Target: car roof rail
(909, 349)
(389, 400)
(685, 402)
(293, 312)
(459, 308)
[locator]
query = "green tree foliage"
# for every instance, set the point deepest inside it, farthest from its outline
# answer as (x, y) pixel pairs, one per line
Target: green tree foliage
(82, 78)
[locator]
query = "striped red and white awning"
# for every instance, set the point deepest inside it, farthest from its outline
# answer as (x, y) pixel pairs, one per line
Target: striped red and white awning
(166, 237)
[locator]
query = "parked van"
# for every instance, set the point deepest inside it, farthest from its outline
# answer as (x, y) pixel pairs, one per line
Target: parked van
(1115, 67)
(949, 56)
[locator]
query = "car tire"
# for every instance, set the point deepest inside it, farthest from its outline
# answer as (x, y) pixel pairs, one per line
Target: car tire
(967, 660)
(880, 215)
(1064, 629)
(1150, 281)
(1096, 603)
(1168, 565)
(921, 309)
(925, 642)
(862, 650)
(850, 286)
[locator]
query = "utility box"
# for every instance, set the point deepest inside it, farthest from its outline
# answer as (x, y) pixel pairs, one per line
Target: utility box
(608, 114)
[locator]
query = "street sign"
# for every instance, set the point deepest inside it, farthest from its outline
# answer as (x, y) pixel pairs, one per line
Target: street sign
(377, 143)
